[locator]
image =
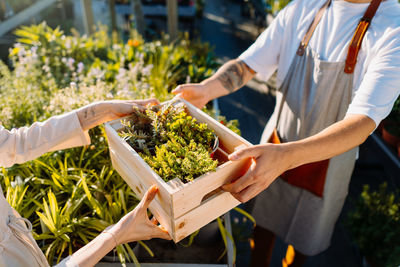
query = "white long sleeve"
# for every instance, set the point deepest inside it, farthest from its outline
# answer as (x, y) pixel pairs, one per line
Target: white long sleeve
(67, 262)
(27, 143)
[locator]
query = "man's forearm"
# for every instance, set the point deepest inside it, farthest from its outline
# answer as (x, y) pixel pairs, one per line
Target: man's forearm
(332, 141)
(229, 78)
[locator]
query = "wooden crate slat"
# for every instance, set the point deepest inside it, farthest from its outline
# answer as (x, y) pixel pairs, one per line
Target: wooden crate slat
(203, 214)
(134, 181)
(139, 168)
(205, 184)
(229, 139)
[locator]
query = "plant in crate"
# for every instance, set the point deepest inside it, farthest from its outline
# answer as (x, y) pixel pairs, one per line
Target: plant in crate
(171, 142)
(374, 225)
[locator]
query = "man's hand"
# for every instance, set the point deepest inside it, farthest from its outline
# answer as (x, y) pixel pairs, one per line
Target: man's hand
(229, 78)
(269, 161)
(195, 93)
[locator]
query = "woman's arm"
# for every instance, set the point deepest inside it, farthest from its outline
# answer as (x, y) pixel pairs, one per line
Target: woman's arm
(271, 160)
(60, 132)
(229, 78)
(134, 226)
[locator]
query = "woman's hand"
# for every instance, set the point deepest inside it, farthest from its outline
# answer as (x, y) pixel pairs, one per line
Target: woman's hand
(100, 112)
(133, 226)
(195, 93)
(269, 161)
(136, 225)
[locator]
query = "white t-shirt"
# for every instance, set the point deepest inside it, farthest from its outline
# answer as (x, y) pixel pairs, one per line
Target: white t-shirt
(377, 73)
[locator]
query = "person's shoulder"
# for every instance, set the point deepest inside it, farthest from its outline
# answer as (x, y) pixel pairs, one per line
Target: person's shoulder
(305, 5)
(300, 10)
(386, 24)
(388, 14)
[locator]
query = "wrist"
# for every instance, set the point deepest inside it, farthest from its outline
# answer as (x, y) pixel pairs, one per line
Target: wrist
(110, 237)
(213, 89)
(92, 115)
(293, 154)
(116, 233)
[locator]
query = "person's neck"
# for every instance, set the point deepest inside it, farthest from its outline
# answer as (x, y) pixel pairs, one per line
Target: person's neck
(358, 1)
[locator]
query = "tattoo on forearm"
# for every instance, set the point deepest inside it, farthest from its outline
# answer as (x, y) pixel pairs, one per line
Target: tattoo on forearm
(92, 109)
(232, 77)
(89, 116)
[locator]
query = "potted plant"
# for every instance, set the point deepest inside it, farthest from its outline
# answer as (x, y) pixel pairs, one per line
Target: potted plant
(374, 225)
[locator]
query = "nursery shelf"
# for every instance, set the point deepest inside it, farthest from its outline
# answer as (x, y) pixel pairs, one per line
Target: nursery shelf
(394, 159)
(386, 155)
(24, 15)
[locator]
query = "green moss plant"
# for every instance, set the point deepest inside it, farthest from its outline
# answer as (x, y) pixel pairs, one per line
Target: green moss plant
(172, 142)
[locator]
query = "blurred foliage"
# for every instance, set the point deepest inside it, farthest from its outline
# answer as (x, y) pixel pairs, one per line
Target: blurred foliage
(72, 195)
(274, 6)
(375, 225)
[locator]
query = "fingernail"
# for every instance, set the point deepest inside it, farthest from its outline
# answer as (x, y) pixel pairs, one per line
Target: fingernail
(154, 188)
(233, 156)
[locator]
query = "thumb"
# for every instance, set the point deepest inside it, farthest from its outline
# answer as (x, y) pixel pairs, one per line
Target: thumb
(149, 196)
(178, 90)
(181, 89)
(248, 152)
(162, 233)
(150, 101)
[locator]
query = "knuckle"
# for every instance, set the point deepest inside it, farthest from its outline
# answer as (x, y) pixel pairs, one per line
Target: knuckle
(241, 198)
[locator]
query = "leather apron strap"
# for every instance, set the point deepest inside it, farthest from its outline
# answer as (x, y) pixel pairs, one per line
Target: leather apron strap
(356, 41)
(312, 176)
(311, 29)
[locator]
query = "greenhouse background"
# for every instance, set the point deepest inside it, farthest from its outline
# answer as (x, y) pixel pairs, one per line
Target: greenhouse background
(58, 55)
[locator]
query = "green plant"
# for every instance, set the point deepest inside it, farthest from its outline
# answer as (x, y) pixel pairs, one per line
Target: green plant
(374, 225)
(276, 5)
(171, 142)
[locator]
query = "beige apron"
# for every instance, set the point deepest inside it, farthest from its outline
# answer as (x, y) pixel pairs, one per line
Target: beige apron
(17, 246)
(314, 95)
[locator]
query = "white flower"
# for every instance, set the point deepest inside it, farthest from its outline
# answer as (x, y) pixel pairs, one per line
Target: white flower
(68, 44)
(70, 63)
(146, 71)
(81, 67)
(6, 112)
(46, 68)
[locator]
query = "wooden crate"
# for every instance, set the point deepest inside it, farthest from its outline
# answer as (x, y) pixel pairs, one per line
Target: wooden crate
(182, 208)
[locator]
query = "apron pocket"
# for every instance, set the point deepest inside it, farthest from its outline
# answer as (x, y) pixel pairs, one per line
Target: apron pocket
(310, 177)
